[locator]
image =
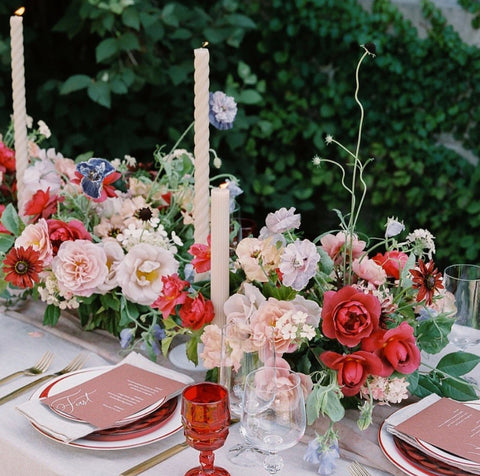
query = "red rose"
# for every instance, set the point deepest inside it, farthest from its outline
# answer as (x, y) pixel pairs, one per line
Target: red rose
(349, 315)
(59, 231)
(352, 369)
(396, 347)
(196, 312)
(173, 293)
(392, 262)
(7, 158)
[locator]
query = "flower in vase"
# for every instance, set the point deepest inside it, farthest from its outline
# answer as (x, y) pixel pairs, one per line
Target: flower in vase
(42, 205)
(202, 256)
(196, 312)
(93, 173)
(173, 293)
(427, 279)
(392, 262)
(37, 236)
(61, 231)
(336, 246)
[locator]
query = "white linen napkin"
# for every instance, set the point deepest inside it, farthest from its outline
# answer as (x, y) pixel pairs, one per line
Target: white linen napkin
(400, 416)
(67, 430)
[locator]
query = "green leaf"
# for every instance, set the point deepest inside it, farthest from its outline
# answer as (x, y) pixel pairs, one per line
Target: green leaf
(457, 364)
(249, 96)
(6, 242)
(131, 18)
(110, 301)
(239, 20)
(426, 386)
(10, 219)
(461, 391)
(128, 42)
(432, 334)
(106, 49)
(192, 348)
(75, 83)
(51, 315)
(99, 92)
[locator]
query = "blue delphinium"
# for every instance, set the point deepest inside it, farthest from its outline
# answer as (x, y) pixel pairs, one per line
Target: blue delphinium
(323, 450)
(223, 110)
(126, 336)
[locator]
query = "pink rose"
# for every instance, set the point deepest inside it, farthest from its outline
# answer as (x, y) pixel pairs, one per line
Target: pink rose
(174, 292)
(80, 267)
(396, 347)
(37, 237)
(352, 369)
(335, 246)
(349, 315)
(369, 270)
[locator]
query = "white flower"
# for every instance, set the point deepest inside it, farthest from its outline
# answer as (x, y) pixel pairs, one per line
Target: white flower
(393, 227)
(329, 139)
(131, 161)
(422, 240)
(29, 121)
(115, 255)
(141, 271)
(316, 160)
(43, 129)
(283, 220)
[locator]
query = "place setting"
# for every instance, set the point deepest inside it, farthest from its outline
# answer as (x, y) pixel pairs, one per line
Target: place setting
(133, 403)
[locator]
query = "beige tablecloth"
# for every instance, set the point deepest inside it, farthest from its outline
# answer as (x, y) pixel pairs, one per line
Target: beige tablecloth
(24, 451)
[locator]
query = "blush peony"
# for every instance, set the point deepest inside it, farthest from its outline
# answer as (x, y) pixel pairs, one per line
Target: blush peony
(349, 315)
(141, 271)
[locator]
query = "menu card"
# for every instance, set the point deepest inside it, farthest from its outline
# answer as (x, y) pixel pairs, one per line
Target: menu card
(114, 395)
(448, 425)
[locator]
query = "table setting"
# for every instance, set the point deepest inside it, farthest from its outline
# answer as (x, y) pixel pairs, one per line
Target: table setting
(305, 355)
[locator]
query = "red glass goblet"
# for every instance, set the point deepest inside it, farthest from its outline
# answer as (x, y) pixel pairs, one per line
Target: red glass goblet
(205, 418)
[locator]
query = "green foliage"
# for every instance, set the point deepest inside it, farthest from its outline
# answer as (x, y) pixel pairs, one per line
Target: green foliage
(122, 82)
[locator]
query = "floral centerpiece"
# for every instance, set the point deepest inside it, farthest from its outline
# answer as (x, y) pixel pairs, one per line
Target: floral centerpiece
(353, 314)
(111, 240)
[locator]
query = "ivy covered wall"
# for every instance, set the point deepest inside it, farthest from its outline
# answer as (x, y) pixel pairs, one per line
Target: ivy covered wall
(116, 77)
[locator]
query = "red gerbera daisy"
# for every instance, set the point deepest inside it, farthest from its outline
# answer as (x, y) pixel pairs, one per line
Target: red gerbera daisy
(21, 267)
(427, 279)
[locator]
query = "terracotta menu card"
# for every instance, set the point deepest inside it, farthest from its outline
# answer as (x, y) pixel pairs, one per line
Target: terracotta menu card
(448, 425)
(114, 395)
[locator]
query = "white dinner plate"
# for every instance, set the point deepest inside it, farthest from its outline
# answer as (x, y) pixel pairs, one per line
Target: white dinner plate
(171, 426)
(392, 453)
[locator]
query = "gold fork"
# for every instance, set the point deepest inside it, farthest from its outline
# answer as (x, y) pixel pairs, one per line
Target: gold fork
(75, 364)
(356, 469)
(36, 369)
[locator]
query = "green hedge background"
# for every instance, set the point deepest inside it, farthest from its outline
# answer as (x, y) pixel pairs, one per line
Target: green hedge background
(115, 77)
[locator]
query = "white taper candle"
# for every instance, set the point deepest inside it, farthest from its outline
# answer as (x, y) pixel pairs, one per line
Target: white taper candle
(201, 207)
(19, 104)
(220, 252)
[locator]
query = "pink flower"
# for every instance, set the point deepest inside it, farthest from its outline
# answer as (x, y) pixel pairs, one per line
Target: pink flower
(369, 270)
(201, 262)
(60, 232)
(212, 346)
(264, 325)
(335, 245)
(196, 312)
(115, 255)
(80, 267)
(37, 237)
(258, 258)
(349, 315)
(298, 264)
(173, 293)
(141, 271)
(282, 220)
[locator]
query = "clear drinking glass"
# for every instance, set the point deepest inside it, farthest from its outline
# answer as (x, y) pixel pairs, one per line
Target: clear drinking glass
(240, 356)
(273, 413)
(463, 281)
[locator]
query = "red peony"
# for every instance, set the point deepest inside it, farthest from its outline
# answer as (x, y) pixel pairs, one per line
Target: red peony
(7, 158)
(42, 205)
(349, 315)
(352, 369)
(397, 349)
(173, 293)
(196, 312)
(59, 231)
(392, 262)
(202, 261)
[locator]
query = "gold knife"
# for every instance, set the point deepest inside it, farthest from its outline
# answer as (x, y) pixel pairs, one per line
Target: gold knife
(154, 460)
